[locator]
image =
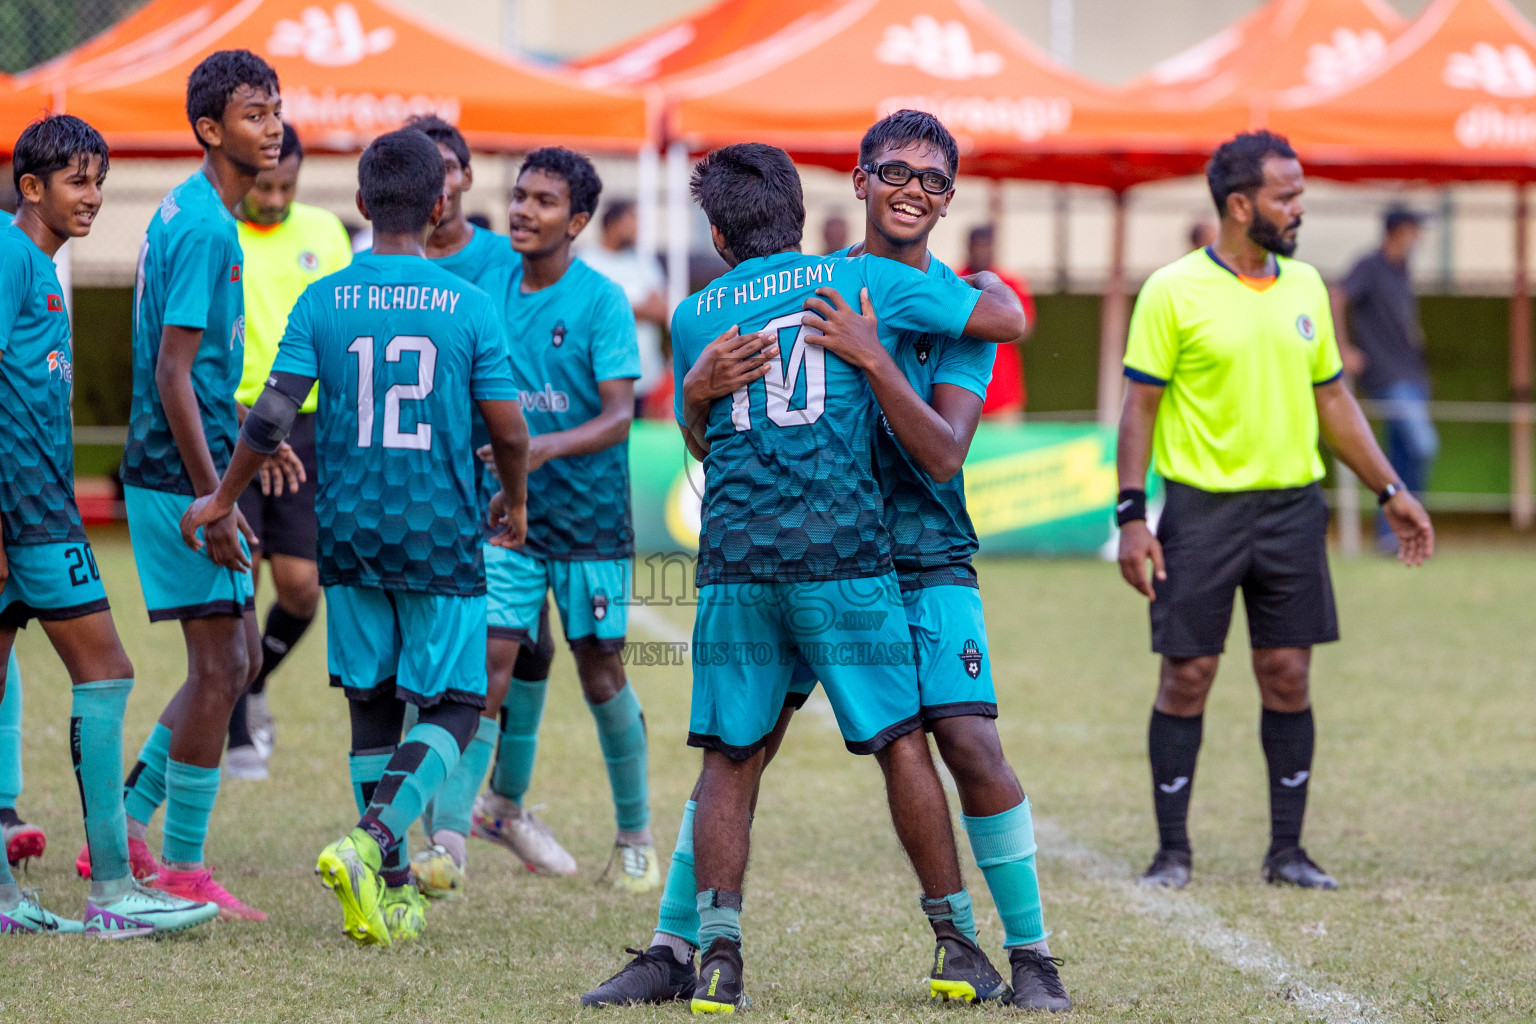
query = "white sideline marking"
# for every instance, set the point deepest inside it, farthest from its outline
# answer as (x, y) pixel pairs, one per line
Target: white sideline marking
(1178, 913)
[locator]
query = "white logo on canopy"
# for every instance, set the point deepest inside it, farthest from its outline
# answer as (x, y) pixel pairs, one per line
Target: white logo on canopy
(942, 50)
(333, 40)
(1499, 71)
(1345, 57)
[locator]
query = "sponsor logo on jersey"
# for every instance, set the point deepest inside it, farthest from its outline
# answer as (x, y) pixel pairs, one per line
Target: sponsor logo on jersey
(55, 303)
(237, 332)
(309, 261)
(329, 39)
(599, 606)
(861, 621)
(1305, 327)
(557, 336)
(971, 656)
(58, 363)
(548, 400)
(168, 209)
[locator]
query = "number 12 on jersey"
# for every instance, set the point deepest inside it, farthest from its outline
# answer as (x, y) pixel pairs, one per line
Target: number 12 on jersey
(781, 382)
(419, 439)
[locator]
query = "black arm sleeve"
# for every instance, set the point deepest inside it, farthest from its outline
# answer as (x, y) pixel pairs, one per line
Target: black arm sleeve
(270, 420)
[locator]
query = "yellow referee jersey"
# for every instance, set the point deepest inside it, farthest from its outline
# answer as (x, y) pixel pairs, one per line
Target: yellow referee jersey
(280, 262)
(1239, 359)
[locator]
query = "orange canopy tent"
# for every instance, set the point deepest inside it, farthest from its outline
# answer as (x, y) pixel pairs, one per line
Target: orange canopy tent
(815, 87)
(1451, 100)
(1281, 45)
(349, 70)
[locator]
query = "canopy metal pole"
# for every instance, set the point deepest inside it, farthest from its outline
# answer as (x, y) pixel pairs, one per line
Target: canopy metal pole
(1522, 507)
(678, 215)
(1113, 319)
(647, 175)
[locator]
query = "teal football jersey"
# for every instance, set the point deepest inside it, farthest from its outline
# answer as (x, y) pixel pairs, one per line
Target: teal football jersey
(932, 539)
(790, 494)
(402, 350)
(188, 276)
(487, 256)
(564, 339)
(37, 452)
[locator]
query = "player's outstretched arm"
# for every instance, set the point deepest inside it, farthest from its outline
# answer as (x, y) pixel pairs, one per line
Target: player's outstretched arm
(509, 453)
(937, 436)
(609, 427)
(1346, 431)
(1133, 456)
(727, 364)
(999, 313)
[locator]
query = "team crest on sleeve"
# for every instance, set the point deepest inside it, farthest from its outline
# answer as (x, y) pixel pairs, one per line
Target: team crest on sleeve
(309, 261)
(599, 606)
(1305, 327)
(971, 656)
(557, 336)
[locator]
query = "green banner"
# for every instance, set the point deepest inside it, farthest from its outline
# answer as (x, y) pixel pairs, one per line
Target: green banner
(1032, 489)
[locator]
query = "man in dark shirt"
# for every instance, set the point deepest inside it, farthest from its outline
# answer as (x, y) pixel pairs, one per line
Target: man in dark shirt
(1383, 347)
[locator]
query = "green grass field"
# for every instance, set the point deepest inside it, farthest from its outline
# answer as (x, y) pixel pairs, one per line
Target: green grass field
(1422, 805)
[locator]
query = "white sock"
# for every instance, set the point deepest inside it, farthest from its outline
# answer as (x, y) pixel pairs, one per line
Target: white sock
(137, 829)
(679, 947)
(1042, 947)
(454, 843)
(634, 838)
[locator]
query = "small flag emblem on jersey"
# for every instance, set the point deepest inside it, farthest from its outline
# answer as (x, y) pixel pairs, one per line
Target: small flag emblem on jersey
(234, 273)
(55, 303)
(971, 655)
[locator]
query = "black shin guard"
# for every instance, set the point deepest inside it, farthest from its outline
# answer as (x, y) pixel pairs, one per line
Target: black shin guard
(1288, 739)
(1174, 745)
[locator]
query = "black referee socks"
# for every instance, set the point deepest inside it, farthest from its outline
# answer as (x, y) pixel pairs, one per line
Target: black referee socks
(1174, 745)
(283, 630)
(1288, 738)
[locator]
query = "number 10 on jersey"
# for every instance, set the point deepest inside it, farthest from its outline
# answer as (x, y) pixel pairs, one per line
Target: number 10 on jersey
(780, 383)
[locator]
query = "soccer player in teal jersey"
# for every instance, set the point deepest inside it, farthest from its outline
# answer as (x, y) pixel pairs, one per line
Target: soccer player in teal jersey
(47, 571)
(479, 256)
(793, 555)
(931, 389)
(402, 350)
(575, 354)
(188, 346)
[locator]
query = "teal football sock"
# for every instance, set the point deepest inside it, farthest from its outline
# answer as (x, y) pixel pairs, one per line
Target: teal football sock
(621, 733)
(519, 744)
(366, 768)
(96, 747)
(678, 915)
(1004, 845)
(10, 736)
(190, 793)
(455, 799)
(145, 790)
(415, 772)
(954, 908)
(719, 916)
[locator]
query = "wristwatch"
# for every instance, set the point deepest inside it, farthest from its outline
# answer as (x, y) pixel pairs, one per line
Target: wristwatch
(1387, 492)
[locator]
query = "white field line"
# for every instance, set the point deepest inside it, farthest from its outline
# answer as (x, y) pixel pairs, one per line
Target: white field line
(1178, 913)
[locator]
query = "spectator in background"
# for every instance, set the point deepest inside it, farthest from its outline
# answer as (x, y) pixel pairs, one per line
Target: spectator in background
(1382, 344)
(287, 246)
(1007, 394)
(834, 234)
(1201, 234)
(616, 259)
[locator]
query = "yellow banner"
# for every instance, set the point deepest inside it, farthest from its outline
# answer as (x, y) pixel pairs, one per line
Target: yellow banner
(1034, 487)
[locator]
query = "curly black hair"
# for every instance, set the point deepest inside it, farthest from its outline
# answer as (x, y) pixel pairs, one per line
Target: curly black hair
(575, 170)
(214, 82)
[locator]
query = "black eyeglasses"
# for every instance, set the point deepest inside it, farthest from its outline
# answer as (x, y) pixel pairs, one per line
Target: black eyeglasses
(935, 183)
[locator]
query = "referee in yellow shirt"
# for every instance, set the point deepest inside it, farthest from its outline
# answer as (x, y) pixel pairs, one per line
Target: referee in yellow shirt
(1233, 366)
(287, 246)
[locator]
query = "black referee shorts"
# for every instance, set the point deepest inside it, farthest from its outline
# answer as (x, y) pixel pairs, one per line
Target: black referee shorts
(1273, 544)
(285, 524)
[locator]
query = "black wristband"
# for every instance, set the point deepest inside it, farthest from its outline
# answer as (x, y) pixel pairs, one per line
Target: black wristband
(1388, 492)
(1130, 506)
